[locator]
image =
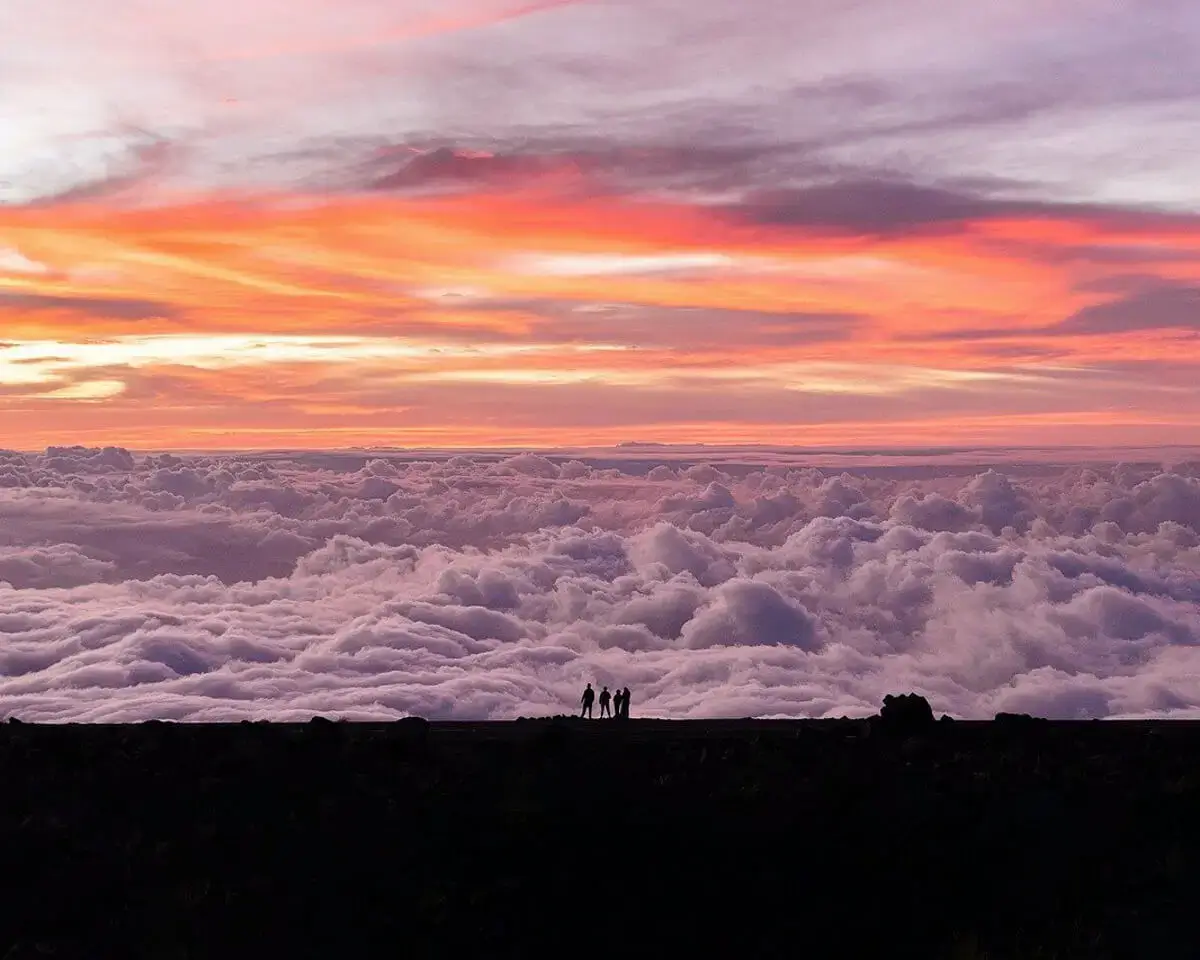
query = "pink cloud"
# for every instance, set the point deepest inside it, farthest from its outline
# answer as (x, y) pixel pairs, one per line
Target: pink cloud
(135, 587)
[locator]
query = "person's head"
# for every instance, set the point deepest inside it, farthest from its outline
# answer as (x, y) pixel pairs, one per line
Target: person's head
(589, 686)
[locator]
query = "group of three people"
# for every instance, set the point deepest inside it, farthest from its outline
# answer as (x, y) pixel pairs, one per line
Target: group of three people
(619, 702)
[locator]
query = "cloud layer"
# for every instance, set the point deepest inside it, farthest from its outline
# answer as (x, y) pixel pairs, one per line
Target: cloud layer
(226, 587)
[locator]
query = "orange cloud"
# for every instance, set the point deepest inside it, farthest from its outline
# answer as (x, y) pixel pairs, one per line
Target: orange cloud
(491, 295)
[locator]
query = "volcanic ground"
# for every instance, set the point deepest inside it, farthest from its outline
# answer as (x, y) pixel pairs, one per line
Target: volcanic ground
(836, 838)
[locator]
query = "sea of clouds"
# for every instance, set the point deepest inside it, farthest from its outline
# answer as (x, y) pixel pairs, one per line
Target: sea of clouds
(373, 585)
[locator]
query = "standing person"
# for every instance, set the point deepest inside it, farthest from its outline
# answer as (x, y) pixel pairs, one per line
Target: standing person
(605, 697)
(618, 704)
(625, 703)
(588, 696)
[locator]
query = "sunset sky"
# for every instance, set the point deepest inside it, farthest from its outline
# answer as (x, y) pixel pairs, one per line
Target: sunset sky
(570, 222)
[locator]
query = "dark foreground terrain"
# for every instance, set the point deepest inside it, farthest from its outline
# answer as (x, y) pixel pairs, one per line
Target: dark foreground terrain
(600, 840)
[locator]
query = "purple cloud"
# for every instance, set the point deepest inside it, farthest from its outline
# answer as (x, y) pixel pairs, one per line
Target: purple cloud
(685, 95)
(496, 585)
(1152, 305)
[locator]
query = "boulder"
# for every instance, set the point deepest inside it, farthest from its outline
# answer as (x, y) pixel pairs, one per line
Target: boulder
(905, 713)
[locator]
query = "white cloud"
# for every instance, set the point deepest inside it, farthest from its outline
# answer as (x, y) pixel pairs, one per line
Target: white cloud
(268, 586)
(256, 94)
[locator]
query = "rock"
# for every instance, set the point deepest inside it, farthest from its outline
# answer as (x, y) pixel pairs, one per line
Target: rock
(1012, 719)
(1018, 728)
(323, 728)
(905, 713)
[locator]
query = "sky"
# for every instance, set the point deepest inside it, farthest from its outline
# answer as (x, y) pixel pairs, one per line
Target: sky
(463, 223)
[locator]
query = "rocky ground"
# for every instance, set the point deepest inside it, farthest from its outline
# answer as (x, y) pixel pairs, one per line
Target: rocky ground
(749, 838)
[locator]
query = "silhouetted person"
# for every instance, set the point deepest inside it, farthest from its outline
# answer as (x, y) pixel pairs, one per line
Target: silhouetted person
(588, 696)
(625, 703)
(605, 698)
(617, 701)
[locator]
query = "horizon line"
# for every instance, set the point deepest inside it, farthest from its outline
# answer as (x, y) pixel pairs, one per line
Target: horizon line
(630, 446)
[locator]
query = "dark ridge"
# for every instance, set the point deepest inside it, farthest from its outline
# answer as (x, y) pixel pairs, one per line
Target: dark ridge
(758, 838)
